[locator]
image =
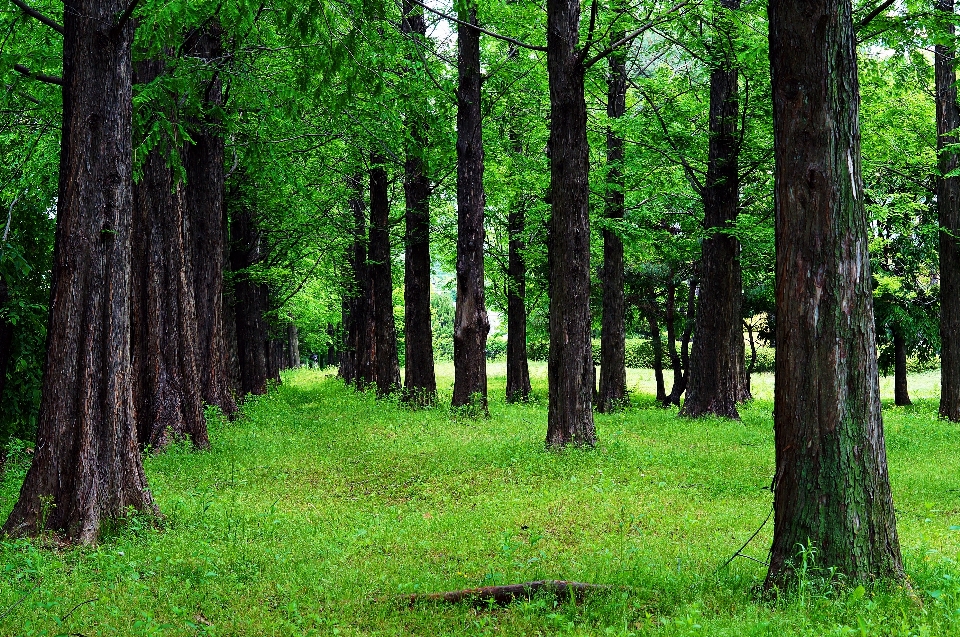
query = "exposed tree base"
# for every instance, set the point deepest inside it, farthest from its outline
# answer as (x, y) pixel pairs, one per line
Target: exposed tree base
(508, 593)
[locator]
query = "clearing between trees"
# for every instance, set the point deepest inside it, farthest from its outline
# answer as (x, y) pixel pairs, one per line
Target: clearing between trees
(321, 508)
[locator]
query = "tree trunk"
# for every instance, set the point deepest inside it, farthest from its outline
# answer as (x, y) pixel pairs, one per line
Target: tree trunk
(681, 362)
(613, 372)
(275, 359)
(87, 467)
(293, 343)
(386, 365)
(518, 370)
(753, 358)
(570, 369)
(6, 347)
(716, 372)
(356, 361)
(901, 394)
(670, 318)
(207, 222)
(657, 345)
(471, 323)
(420, 379)
(166, 383)
(831, 488)
(948, 212)
(251, 305)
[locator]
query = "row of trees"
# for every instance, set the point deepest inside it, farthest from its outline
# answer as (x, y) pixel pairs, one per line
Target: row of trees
(250, 176)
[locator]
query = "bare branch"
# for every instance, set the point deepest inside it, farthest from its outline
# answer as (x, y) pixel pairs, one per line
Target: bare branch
(873, 14)
(630, 37)
(125, 17)
(33, 13)
(49, 79)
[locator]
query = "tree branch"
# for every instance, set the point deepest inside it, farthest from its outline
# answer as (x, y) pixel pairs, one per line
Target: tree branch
(33, 13)
(505, 38)
(873, 14)
(125, 17)
(49, 79)
(630, 37)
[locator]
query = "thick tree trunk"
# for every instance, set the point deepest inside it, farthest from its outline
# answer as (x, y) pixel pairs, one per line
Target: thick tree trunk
(207, 222)
(518, 369)
(87, 467)
(420, 379)
(570, 369)
(613, 372)
(831, 488)
(166, 382)
(716, 372)
(900, 390)
(471, 324)
(251, 305)
(293, 344)
(948, 212)
(386, 364)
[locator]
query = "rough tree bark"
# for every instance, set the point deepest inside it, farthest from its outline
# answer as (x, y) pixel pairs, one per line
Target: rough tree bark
(207, 218)
(6, 342)
(386, 364)
(166, 382)
(831, 488)
(356, 360)
(518, 369)
(570, 369)
(420, 379)
(717, 367)
(613, 372)
(900, 389)
(471, 324)
(948, 212)
(87, 467)
(251, 304)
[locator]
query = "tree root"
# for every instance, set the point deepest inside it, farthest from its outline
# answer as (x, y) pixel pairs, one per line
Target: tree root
(505, 594)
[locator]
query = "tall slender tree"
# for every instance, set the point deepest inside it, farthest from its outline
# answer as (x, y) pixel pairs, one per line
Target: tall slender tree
(87, 467)
(420, 379)
(207, 219)
(717, 375)
(613, 372)
(386, 364)
(948, 211)
(831, 488)
(570, 369)
(356, 361)
(471, 323)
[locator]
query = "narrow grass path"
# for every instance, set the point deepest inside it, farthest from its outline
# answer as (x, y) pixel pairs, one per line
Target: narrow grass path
(319, 506)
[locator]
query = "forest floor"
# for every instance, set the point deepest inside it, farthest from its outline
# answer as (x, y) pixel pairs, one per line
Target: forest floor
(319, 507)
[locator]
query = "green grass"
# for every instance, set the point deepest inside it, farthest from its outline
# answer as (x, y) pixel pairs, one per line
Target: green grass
(319, 506)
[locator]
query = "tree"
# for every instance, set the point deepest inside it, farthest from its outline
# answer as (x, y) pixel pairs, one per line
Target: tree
(948, 207)
(420, 380)
(386, 365)
(166, 381)
(472, 325)
(613, 373)
(717, 365)
(831, 488)
(87, 468)
(570, 370)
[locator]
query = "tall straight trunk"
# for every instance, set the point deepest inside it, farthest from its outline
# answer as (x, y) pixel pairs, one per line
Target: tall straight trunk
(166, 382)
(717, 368)
(356, 361)
(230, 336)
(471, 324)
(207, 219)
(87, 467)
(518, 369)
(6, 346)
(657, 344)
(900, 389)
(386, 364)
(251, 304)
(275, 359)
(613, 372)
(831, 488)
(293, 345)
(570, 368)
(948, 213)
(420, 379)
(670, 318)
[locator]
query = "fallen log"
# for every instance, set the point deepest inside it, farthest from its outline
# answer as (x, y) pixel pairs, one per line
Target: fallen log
(507, 593)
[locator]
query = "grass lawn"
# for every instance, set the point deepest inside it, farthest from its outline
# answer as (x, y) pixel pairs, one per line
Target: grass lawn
(320, 506)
